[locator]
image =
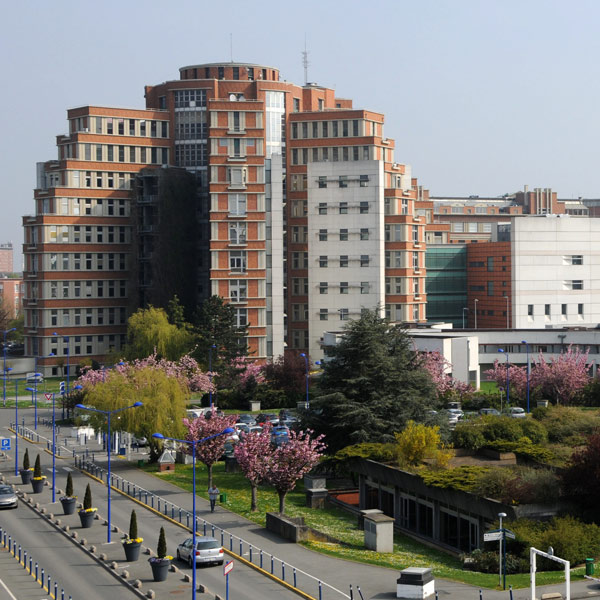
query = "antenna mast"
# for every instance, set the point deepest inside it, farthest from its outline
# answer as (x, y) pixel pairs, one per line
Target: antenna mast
(305, 62)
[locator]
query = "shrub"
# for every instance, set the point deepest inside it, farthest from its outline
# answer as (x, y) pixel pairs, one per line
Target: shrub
(379, 452)
(37, 469)
(534, 430)
(133, 528)
(519, 485)
(487, 562)
(492, 483)
(26, 464)
(87, 499)
(468, 435)
(464, 478)
(563, 422)
(69, 488)
(161, 549)
(501, 428)
(418, 442)
(523, 447)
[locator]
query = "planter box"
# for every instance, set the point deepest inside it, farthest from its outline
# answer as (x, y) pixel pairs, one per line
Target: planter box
(132, 550)
(68, 505)
(160, 568)
(26, 476)
(86, 518)
(38, 485)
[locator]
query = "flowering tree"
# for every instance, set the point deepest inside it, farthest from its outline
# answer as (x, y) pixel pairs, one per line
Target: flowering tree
(253, 454)
(563, 377)
(247, 369)
(517, 378)
(186, 370)
(437, 366)
(208, 452)
(291, 461)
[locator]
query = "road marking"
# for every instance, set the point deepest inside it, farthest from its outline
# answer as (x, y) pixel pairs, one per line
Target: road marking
(7, 590)
(67, 469)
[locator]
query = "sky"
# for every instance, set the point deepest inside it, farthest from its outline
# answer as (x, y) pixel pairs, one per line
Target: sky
(481, 96)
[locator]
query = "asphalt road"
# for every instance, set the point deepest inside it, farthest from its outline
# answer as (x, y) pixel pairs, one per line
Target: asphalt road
(79, 575)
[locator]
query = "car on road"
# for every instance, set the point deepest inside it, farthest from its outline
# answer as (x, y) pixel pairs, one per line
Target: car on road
(280, 435)
(516, 412)
(139, 442)
(208, 551)
(8, 497)
(242, 428)
(248, 419)
(255, 429)
(264, 417)
(489, 411)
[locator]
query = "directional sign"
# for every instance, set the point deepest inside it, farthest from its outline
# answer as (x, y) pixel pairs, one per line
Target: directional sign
(48, 397)
(228, 568)
(492, 535)
(509, 534)
(5, 445)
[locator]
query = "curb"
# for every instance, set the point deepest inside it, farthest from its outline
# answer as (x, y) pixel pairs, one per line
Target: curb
(278, 580)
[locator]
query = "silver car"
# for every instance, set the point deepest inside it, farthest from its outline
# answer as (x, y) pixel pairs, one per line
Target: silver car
(208, 551)
(8, 497)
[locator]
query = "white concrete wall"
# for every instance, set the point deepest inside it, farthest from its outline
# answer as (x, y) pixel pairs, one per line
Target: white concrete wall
(542, 248)
(333, 248)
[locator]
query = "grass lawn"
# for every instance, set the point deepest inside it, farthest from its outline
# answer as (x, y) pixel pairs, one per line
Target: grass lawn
(343, 526)
(489, 387)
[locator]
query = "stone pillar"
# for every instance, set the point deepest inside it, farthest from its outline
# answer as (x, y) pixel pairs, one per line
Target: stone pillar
(365, 513)
(415, 583)
(379, 533)
(315, 498)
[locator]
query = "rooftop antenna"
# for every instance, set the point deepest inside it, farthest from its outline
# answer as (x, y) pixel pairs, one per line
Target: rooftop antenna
(231, 46)
(305, 62)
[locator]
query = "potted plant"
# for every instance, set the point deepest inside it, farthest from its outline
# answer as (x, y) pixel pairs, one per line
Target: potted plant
(26, 471)
(132, 543)
(161, 562)
(68, 500)
(37, 482)
(86, 514)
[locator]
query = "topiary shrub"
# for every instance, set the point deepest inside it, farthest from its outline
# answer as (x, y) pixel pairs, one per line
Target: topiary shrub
(87, 499)
(133, 528)
(26, 464)
(468, 436)
(69, 487)
(161, 549)
(37, 469)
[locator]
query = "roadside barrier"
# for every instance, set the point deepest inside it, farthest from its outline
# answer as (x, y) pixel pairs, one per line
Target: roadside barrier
(31, 566)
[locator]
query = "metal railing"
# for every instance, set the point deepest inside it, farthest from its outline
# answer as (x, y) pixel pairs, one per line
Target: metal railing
(234, 544)
(43, 578)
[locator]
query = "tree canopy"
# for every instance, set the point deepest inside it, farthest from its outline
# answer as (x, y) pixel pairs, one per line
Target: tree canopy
(371, 386)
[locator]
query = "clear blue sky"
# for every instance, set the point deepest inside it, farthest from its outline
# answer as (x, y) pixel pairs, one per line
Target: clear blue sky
(481, 96)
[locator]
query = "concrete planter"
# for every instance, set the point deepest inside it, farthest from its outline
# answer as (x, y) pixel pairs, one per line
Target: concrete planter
(86, 518)
(68, 505)
(160, 568)
(38, 485)
(26, 476)
(132, 550)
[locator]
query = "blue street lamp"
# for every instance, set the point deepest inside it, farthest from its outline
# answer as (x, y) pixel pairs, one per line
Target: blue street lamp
(194, 443)
(5, 333)
(53, 450)
(66, 339)
(528, 369)
(507, 377)
(210, 374)
(108, 414)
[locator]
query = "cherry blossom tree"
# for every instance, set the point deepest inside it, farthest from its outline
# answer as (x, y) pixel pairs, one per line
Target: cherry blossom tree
(517, 378)
(291, 461)
(563, 377)
(208, 452)
(253, 454)
(438, 367)
(247, 368)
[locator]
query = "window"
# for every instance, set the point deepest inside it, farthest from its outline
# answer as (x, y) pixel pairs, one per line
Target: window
(530, 310)
(343, 261)
(322, 235)
(323, 182)
(323, 287)
(364, 234)
(563, 310)
(490, 288)
(323, 314)
(580, 310)
(237, 205)
(415, 260)
(364, 260)
(490, 263)
(299, 260)
(343, 314)
(343, 207)
(364, 208)
(300, 286)
(343, 287)
(322, 261)
(322, 208)
(238, 290)
(343, 235)
(415, 234)
(299, 312)
(576, 284)
(364, 287)
(343, 182)
(241, 317)
(237, 261)
(575, 259)
(547, 310)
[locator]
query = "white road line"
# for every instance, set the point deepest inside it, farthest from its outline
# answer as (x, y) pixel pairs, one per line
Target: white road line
(8, 591)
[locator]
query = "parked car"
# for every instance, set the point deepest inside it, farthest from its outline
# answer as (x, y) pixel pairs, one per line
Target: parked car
(516, 412)
(208, 551)
(457, 412)
(280, 435)
(34, 378)
(263, 417)
(139, 442)
(255, 429)
(247, 418)
(242, 428)
(489, 411)
(8, 497)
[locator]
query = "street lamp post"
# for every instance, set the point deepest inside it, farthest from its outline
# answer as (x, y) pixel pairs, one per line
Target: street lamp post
(507, 378)
(528, 367)
(108, 414)
(507, 313)
(194, 443)
(53, 450)
(210, 374)
(463, 315)
(502, 552)
(475, 310)
(5, 333)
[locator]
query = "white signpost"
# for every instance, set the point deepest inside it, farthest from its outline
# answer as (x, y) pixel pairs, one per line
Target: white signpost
(226, 570)
(533, 552)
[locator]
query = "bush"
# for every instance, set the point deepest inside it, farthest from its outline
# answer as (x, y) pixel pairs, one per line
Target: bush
(270, 399)
(26, 464)
(523, 447)
(69, 488)
(492, 483)
(487, 562)
(461, 478)
(501, 428)
(519, 485)
(37, 468)
(468, 435)
(87, 499)
(562, 422)
(534, 430)
(384, 453)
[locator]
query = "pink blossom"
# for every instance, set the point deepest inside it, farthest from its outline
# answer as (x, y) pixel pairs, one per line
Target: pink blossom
(437, 366)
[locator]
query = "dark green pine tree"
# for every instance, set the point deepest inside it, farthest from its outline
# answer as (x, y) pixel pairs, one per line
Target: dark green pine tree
(37, 467)
(133, 528)
(161, 549)
(371, 386)
(69, 488)
(87, 499)
(26, 460)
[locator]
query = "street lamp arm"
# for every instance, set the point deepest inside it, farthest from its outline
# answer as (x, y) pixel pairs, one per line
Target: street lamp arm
(226, 431)
(108, 412)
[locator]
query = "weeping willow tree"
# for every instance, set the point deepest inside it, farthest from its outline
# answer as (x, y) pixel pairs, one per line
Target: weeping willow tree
(164, 398)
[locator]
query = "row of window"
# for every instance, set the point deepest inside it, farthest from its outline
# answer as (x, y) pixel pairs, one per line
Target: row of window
(97, 207)
(302, 156)
(342, 207)
(97, 288)
(86, 345)
(330, 129)
(393, 286)
(88, 262)
(394, 259)
(119, 126)
(564, 310)
(484, 227)
(73, 317)
(90, 234)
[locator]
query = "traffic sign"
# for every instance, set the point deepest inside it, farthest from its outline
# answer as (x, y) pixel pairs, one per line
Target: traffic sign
(492, 536)
(5, 445)
(48, 397)
(509, 534)
(228, 568)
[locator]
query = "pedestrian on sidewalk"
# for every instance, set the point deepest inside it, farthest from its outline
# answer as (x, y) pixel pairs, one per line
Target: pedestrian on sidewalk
(213, 494)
